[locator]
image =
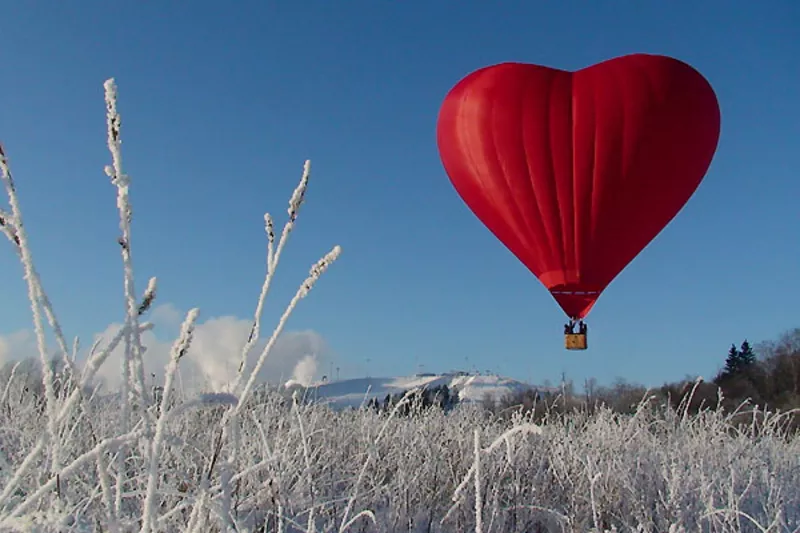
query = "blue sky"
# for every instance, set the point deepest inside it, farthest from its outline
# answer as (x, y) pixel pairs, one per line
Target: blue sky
(221, 104)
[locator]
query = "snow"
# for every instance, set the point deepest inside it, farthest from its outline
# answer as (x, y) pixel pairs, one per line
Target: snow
(354, 392)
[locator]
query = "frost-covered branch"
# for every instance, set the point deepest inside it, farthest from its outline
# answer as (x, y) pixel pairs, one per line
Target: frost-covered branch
(69, 470)
(314, 274)
(133, 344)
(273, 257)
(179, 349)
(34, 291)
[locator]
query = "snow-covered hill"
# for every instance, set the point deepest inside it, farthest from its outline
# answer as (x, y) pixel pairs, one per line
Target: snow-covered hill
(354, 392)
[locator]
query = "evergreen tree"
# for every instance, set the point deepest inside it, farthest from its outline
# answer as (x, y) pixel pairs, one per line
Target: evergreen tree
(746, 355)
(739, 359)
(734, 361)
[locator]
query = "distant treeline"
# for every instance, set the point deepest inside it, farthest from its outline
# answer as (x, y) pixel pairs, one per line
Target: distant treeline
(766, 377)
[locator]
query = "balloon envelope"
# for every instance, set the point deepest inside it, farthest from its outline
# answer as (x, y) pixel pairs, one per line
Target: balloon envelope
(576, 172)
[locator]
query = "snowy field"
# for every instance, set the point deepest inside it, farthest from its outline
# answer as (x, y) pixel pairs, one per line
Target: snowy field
(76, 459)
(309, 468)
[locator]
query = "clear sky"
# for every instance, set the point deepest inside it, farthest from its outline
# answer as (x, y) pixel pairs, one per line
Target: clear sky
(222, 103)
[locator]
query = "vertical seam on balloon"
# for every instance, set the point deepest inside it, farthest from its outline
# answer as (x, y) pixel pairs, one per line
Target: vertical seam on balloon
(622, 83)
(565, 210)
(644, 75)
(573, 142)
(595, 196)
(518, 212)
(622, 86)
(530, 197)
(589, 113)
(576, 242)
(554, 199)
(533, 197)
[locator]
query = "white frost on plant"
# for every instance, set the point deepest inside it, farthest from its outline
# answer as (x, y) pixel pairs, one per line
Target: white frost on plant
(71, 400)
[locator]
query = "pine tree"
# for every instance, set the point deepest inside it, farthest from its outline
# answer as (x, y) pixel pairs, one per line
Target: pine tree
(740, 359)
(746, 355)
(733, 363)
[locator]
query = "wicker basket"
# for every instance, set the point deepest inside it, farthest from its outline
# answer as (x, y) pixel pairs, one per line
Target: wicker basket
(575, 341)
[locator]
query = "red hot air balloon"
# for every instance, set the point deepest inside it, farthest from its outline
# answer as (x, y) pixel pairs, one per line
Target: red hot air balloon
(576, 172)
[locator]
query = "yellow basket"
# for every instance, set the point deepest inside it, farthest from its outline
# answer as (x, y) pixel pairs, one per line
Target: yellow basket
(575, 341)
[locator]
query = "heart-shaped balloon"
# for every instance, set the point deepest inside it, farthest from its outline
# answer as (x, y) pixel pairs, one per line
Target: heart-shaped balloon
(576, 172)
